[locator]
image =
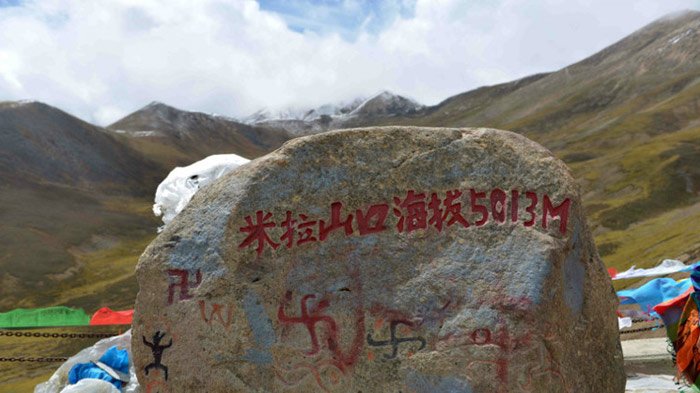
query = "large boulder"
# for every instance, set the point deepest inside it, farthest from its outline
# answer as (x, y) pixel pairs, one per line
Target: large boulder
(389, 259)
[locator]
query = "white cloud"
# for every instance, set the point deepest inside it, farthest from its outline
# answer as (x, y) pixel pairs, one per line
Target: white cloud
(9, 68)
(100, 60)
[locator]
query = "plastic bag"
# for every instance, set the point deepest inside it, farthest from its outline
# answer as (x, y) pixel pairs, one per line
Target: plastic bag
(59, 380)
(175, 192)
(90, 386)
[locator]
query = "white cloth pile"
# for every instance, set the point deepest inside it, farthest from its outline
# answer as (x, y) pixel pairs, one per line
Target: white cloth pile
(58, 383)
(641, 383)
(175, 192)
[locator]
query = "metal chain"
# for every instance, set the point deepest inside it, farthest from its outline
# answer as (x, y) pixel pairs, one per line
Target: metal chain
(644, 329)
(40, 360)
(636, 320)
(10, 333)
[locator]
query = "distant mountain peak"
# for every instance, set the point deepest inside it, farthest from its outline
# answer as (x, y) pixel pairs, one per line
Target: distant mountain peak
(301, 114)
(149, 120)
(38, 108)
(384, 103)
(679, 14)
(168, 111)
(173, 134)
(385, 94)
(158, 116)
(157, 106)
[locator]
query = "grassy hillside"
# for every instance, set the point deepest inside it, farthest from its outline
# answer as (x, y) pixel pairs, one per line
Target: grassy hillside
(69, 189)
(48, 235)
(75, 208)
(75, 201)
(627, 122)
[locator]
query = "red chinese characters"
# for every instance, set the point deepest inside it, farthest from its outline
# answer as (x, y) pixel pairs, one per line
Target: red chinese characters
(336, 222)
(373, 219)
(257, 232)
(453, 209)
(411, 212)
(302, 230)
(446, 212)
(414, 211)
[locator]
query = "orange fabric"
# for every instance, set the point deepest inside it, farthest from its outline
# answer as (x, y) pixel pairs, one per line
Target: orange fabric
(688, 338)
(687, 352)
(106, 316)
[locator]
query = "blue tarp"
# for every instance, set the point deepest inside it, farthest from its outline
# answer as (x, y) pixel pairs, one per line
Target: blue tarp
(117, 360)
(654, 292)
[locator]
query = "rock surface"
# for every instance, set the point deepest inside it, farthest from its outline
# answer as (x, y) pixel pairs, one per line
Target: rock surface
(381, 260)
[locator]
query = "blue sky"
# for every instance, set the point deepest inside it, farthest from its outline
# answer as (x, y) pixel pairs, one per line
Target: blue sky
(345, 17)
(10, 3)
(101, 60)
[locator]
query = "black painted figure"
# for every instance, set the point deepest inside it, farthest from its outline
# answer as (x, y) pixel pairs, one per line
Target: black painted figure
(157, 350)
(395, 341)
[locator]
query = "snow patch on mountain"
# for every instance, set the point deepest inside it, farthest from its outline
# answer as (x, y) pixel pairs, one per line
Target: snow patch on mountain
(679, 37)
(387, 104)
(224, 117)
(303, 114)
(17, 104)
(139, 134)
(384, 103)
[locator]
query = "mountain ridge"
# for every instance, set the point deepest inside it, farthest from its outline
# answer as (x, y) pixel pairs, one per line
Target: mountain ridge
(76, 202)
(625, 119)
(175, 137)
(73, 152)
(384, 104)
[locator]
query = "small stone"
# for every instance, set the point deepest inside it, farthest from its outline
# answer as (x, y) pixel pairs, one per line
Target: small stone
(391, 259)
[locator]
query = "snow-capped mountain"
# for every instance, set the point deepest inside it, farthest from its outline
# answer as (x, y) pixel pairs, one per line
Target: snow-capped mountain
(305, 121)
(303, 114)
(386, 104)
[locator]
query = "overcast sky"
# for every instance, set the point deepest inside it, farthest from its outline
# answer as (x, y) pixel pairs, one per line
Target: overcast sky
(101, 60)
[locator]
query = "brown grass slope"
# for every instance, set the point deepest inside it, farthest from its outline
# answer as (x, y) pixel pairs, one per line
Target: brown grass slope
(65, 184)
(76, 197)
(75, 208)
